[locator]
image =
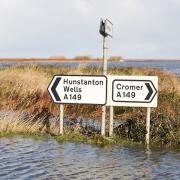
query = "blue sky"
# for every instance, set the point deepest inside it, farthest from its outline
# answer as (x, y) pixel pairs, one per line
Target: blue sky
(41, 28)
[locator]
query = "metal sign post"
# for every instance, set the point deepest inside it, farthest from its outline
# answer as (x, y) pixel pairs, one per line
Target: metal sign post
(105, 49)
(111, 114)
(106, 29)
(148, 116)
(61, 119)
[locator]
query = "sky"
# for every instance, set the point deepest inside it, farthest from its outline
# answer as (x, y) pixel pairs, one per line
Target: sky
(43, 28)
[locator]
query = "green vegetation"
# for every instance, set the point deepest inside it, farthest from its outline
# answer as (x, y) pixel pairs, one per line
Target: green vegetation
(95, 139)
(35, 136)
(23, 90)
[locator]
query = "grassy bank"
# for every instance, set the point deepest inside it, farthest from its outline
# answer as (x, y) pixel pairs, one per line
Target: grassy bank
(23, 90)
(35, 136)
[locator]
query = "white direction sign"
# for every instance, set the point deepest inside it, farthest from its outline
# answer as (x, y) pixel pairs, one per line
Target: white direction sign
(76, 89)
(138, 91)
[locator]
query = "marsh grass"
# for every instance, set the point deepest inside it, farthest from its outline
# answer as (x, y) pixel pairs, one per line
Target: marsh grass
(23, 89)
(14, 123)
(96, 139)
(35, 136)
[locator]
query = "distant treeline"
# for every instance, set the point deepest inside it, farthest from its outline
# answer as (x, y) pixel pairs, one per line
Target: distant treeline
(111, 58)
(59, 59)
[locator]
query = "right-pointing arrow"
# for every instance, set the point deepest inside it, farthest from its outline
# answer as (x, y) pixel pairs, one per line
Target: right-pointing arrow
(53, 88)
(150, 91)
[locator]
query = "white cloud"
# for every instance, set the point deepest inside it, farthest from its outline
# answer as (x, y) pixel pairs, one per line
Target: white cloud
(70, 27)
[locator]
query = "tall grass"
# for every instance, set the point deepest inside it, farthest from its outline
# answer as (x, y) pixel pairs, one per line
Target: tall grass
(23, 89)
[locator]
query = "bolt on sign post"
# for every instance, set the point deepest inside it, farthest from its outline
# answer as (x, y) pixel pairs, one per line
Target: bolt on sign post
(77, 89)
(106, 29)
(134, 91)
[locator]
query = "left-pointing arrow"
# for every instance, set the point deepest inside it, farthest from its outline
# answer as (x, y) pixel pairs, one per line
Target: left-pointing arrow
(53, 88)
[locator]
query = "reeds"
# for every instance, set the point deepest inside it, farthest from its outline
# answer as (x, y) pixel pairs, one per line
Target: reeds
(23, 89)
(25, 123)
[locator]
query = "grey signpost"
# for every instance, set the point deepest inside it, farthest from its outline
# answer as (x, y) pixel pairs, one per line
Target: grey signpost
(61, 119)
(106, 29)
(105, 49)
(148, 117)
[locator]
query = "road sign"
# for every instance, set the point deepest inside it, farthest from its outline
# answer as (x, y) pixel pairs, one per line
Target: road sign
(106, 28)
(76, 89)
(138, 91)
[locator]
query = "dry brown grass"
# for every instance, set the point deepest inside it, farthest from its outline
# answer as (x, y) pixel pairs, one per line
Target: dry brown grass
(23, 89)
(14, 122)
(27, 80)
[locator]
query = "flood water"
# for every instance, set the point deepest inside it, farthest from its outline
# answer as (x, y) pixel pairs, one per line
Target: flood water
(170, 66)
(47, 159)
